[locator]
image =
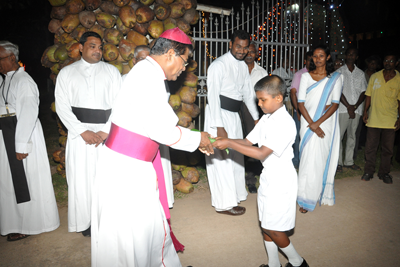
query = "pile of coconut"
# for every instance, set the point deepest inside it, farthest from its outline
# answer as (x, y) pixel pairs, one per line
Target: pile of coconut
(124, 25)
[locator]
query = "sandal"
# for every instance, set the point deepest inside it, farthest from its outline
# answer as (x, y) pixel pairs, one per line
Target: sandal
(16, 237)
(339, 168)
(354, 167)
(302, 210)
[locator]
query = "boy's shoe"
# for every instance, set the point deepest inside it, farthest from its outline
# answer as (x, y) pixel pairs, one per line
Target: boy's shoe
(366, 177)
(304, 264)
(386, 178)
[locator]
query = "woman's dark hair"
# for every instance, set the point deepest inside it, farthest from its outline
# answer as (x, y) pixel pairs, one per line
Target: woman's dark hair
(241, 34)
(329, 63)
(162, 46)
(86, 35)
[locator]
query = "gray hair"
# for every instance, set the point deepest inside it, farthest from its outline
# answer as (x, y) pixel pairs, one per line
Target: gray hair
(255, 45)
(11, 48)
(272, 85)
(140, 48)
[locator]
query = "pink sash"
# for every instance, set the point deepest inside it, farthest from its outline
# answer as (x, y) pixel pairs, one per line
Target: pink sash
(142, 148)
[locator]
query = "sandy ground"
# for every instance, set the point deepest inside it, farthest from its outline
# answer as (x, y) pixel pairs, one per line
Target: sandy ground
(362, 229)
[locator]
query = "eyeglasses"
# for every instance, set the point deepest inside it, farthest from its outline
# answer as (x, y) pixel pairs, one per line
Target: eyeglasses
(4, 57)
(184, 61)
(389, 61)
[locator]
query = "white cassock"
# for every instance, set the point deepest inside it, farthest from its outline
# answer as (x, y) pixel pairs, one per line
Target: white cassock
(40, 214)
(89, 86)
(229, 77)
(129, 227)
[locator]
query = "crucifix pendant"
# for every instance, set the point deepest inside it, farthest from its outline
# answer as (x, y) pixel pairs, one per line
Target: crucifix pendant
(8, 111)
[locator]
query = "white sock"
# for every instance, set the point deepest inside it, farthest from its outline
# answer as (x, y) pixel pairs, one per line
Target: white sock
(294, 258)
(272, 251)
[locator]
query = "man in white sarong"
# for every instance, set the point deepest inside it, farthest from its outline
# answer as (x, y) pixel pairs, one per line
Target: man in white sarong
(85, 92)
(129, 218)
(27, 205)
(229, 84)
(253, 167)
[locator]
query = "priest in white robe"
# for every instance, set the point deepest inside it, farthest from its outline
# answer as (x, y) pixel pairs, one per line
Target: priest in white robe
(229, 85)
(85, 92)
(27, 202)
(129, 219)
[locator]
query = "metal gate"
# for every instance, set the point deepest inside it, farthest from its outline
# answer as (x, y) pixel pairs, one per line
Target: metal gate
(279, 28)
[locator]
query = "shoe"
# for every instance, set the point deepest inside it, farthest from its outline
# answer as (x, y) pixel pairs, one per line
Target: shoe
(16, 237)
(234, 211)
(252, 188)
(87, 232)
(386, 178)
(339, 168)
(304, 264)
(366, 177)
(354, 167)
(303, 210)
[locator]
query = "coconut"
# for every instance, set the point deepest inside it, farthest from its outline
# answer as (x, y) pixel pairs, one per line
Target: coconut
(176, 167)
(141, 28)
(109, 8)
(128, 16)
(55, 68)
(169, 23)
(184, 187)
(191, 109)
(116, 64)
(184, 119)
(187, 94)
(191, 174)
(191, 16)
(62, 132)
(68, 46)
(45, 60)
(144, 14)
(77, 33)
(183, 25)
(186, 3)
(156, 28)
(162, 11)
(121, 59)
(110, 52)
(106, 20)
(58, 12)
(164, 1)
(92, 4)
(121, 3)
(60, 169)
(65, 38)
(113, 36)
(74, 52)
(192, 65)
(57, 2)
(137, 38)
(125, 69)
(74, 6)
(50, 53)
(126, 49)
(56, 155)
(130, 63)
(61, 53)
(176, 176)
(190, 79)
(98, 29)
(147, 2)
(62, 140)
(87, 19)
(70, 22)
(177, 10)
(54, 25)
(175, 102)
(121, 27)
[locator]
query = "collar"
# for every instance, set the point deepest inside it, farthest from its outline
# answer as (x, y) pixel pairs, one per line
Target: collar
(87, 64)
(13, 71)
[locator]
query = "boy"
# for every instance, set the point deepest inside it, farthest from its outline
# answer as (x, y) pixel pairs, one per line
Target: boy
(275, 134)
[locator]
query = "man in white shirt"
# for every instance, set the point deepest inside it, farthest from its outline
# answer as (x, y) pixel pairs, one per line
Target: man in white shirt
(351, 106)
(253, 167)
(85, 92)
(27, 202)
(229, 84)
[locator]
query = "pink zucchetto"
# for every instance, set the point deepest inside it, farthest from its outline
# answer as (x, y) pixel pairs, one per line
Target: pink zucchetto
(176, 35)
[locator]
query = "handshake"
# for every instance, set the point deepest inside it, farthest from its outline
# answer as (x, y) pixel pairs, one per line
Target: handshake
(207, 143)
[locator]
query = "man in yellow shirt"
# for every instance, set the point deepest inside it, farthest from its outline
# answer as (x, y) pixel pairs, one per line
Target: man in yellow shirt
(382, 100)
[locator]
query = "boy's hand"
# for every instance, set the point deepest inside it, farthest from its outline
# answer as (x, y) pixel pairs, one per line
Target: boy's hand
(221, 143)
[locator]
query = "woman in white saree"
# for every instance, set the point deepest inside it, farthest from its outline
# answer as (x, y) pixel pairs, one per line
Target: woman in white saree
(319, 96)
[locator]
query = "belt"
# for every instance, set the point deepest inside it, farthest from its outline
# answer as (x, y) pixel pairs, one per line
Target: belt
(230, 104)
(87, 115)
(7, 115)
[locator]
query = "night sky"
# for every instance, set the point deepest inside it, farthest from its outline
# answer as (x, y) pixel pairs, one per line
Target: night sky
(25, 22)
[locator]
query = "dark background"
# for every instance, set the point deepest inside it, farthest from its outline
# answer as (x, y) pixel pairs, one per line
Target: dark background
(25, 22)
